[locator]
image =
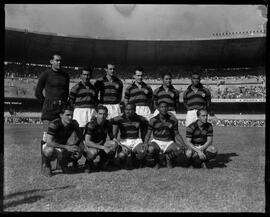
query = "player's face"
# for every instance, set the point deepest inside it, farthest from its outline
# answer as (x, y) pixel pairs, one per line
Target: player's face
(110, 69)
(195, 80)
(203, 116)
(67, 117)
(130, 111)
(102, 115)
(56, 62)
(163, 108)
(167, 80)
(85, 76)
(138, 76)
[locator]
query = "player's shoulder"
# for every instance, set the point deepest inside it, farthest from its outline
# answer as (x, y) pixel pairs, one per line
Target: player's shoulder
(54, 124)
(173, 118)
(208, 125)
(76, 86)
(192, 126)
(92, 123)
(141, 118)
(157, 89)
(153, 119)
(74, 123)
(117, 118)
(116, 78)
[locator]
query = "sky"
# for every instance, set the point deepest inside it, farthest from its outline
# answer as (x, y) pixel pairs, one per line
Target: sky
(135, 22)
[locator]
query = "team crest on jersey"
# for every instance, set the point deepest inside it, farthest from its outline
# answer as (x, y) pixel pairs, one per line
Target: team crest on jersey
(203, 94)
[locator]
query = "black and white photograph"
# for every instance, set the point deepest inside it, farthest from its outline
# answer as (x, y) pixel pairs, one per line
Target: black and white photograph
(135, 108)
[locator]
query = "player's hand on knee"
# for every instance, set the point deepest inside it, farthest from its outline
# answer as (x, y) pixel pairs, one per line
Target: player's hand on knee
(201, 155)
(72, 148)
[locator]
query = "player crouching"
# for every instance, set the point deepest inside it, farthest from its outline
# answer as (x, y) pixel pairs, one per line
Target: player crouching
(199, 140)
(132, 148)
(167, 142)
(97, 151)
(64, 142)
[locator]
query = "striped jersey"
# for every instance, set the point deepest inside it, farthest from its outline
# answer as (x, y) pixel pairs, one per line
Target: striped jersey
(110, 92)
(60, 132)
(139, 96)
(198, 100)
(129, 128)
(198, 136)
(99, 132)
(171, 97)
(83, 95)
(164, 130)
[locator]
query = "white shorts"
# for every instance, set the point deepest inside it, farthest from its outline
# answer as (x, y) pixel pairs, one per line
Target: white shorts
(46, 146)
(83, 115)
(113, 110)
(191, 116)
(163, 145)
(131, 143)
(144, 111)
(173, 113)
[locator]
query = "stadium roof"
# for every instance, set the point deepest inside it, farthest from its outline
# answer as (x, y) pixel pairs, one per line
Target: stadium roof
(36, 48)
(136, 34)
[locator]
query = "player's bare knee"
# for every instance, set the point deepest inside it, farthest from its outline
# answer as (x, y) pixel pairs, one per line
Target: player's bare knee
(188, 153)
(48, 152)
(122, 155)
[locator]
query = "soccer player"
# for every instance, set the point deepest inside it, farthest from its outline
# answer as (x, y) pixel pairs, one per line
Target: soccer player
(83, 96)
(140, 94)
(97, 150)
(199, 140)
(131, 126)
(167, 93)
(56, 85)
(166, 142)
(64, 141)
(110, 90)
(196, 97)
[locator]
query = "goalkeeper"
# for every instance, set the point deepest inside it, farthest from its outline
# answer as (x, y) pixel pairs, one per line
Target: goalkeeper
(97, 150)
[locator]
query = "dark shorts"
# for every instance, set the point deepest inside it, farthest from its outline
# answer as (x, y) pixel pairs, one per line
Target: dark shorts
(51, 109)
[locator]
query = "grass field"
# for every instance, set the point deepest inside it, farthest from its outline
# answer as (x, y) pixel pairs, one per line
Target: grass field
(235, 184)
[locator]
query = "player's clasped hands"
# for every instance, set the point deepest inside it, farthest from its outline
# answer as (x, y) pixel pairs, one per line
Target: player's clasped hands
(72, 148)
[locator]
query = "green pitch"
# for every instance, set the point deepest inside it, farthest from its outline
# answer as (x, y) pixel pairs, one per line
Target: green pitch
(235, 184)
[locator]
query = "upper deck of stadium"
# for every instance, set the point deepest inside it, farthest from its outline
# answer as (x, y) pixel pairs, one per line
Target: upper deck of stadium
(137, 34)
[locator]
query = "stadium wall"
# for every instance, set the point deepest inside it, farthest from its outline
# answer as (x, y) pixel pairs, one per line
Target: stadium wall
(33, 105)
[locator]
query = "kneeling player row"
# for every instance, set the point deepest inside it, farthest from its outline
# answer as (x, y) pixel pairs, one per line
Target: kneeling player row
(66, 142)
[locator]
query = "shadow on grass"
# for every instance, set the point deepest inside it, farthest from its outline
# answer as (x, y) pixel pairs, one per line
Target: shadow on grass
(221, 160)
(28, 198)
(25, 200)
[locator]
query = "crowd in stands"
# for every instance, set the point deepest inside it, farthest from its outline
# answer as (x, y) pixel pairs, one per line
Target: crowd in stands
(222, 123)
(223, 83)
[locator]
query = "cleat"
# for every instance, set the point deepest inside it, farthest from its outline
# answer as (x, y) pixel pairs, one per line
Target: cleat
(157, 166)
(169, 162)
(46, 171)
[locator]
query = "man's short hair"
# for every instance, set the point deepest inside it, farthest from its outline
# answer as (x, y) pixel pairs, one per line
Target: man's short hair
(160, 102)
(199, 112)
(195, 73)
(138, 68)
(66, 107)
(163, 74)
(101, 107)
(88, 69)
(110, 63)
(55, 54)
(130, 103)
